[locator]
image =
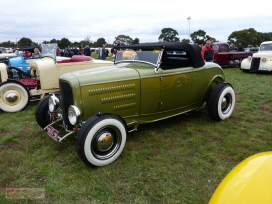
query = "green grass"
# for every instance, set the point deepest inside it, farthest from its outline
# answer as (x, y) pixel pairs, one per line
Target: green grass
(178, 160)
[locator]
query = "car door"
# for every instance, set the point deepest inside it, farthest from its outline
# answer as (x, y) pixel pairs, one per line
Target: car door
(150, 91)
(175, 88)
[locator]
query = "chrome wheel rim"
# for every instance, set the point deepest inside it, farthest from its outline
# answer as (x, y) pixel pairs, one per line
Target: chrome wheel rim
(106, 142)
(226, 103)
(11, 97)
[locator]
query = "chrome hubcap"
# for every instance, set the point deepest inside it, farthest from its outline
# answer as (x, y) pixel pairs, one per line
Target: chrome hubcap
(226, 103)
(105, 142)
(11, 97)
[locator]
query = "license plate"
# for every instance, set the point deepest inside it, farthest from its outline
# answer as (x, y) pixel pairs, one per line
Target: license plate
(262, 68)
(52, 132)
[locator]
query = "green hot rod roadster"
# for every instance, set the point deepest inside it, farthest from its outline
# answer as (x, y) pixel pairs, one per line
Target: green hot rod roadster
(148, 82)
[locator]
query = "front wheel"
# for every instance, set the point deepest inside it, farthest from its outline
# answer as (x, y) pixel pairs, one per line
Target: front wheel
(13, 96)
(41, 113)
(221, 102)
(101, 140)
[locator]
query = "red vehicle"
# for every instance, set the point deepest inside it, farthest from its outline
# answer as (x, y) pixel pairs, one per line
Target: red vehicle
(226, 57)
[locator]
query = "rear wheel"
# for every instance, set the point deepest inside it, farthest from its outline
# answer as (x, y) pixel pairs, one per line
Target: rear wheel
(101, 140)
(221, 102)
(13, 96)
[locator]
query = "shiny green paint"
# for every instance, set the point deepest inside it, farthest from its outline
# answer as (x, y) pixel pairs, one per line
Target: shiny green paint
(119, 98)
(136, 93)
(204, 80)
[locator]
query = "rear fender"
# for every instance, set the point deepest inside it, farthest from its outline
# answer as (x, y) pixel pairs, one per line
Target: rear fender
(213, 83)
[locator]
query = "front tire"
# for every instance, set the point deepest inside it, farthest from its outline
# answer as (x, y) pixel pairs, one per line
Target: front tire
(101, 140)
(41, 113)
(221, 102)
(14, 96)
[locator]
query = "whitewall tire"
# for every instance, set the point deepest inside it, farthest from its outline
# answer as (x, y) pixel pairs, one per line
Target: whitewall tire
(221, 102)
(101, 140)
(13, 97)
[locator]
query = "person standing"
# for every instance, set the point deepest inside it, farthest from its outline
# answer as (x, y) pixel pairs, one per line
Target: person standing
(240, 48)
(65, 52)
(207, 52)
(103, 53)
(87, 51)
(75, 50)
(81, 51)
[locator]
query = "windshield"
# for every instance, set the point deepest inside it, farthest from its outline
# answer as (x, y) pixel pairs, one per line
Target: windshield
(266, 47)
(149, 57)
(49, 50)
(19, 52)
(215, 47)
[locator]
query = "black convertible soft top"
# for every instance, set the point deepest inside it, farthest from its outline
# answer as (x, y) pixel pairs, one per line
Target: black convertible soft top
(28, 48)
(193, 51)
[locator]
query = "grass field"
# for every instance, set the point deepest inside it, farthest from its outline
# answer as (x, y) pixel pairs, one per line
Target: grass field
(178, 160)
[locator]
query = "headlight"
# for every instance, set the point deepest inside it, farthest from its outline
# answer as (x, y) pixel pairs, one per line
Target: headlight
(264, 59)
(53, 103)
(249, 58)
(73, 114)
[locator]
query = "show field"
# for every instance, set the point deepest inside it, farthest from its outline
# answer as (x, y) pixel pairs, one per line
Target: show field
(178, 160)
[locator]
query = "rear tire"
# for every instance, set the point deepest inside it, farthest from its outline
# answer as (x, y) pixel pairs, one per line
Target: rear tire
(221, 102)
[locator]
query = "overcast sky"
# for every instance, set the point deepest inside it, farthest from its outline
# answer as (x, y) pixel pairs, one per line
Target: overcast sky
(42, 20)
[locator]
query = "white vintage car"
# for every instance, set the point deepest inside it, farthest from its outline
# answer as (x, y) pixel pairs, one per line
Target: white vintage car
(17, 88)
(261, 61)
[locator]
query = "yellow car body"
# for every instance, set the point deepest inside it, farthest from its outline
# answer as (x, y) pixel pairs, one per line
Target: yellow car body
(250, 182)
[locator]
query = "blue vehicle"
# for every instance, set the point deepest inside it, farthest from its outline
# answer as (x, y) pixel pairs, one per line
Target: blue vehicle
(20, 61)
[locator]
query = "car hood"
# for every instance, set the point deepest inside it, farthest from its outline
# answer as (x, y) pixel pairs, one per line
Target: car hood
(103, 75)
(267, 54)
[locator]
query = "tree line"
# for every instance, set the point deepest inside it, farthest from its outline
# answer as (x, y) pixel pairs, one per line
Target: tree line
(65, 42)
(246, 37)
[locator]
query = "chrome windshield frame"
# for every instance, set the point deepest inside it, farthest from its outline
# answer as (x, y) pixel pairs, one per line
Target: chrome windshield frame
(156, 64)
(156, 69)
